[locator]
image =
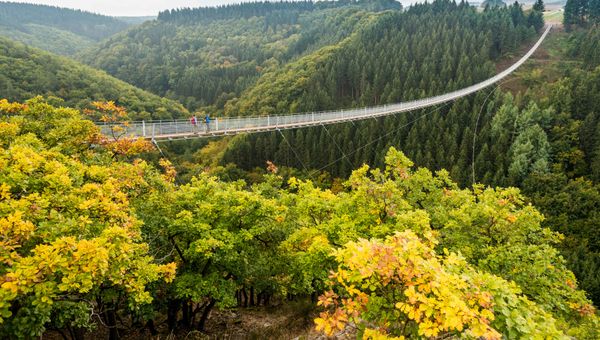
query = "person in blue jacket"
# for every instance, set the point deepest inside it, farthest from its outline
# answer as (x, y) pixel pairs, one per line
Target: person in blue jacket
(207, 122)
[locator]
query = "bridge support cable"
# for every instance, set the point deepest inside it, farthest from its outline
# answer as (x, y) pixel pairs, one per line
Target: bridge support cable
(477, 125)
(244, 125)
(344, 156)
(155, 142)
(382, 136)
(294, 151)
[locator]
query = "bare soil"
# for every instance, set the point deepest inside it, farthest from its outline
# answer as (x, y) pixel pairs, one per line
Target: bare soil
(287, 321)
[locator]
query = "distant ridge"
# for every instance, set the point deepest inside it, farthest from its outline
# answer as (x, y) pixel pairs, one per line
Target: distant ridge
(493, 3)
(136, 20)
(26, 72)
(59, 30)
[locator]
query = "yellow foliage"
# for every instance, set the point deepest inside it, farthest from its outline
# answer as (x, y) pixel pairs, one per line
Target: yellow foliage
(374, 334)
(4, 191)
(128, 146)
(169, 169)
(66, 227)
(435, 298)
(8, 132)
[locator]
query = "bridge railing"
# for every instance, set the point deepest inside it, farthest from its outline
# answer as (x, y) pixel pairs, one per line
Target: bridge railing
(225, 125)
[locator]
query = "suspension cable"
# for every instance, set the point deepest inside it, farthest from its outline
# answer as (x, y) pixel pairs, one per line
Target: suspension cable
(344, 156)
(293, 150)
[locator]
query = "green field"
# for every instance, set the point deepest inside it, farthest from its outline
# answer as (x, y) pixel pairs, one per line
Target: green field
(555, 16)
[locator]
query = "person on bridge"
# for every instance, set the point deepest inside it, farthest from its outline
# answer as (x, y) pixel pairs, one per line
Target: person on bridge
(194, 122)
(207, 122)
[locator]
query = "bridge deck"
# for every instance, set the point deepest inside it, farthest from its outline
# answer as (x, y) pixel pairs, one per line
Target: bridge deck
(179, 129)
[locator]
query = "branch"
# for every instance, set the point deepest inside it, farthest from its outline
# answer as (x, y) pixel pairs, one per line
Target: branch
(179, 252)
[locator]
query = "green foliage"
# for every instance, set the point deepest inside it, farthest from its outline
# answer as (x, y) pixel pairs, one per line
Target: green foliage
(581, 13)
(207, 62)
(585, 45)
(70, 244)
(493, 4)
(27, 72)
(81, 230)
(58, 30)
(219, 231)
(571, 206)
(48, 38)
(539, 6)
(536, 19)
(282, 12)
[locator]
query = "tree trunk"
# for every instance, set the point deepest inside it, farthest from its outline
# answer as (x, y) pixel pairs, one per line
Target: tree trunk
(78, 333)
(172, 311)
(151, 327)
(259, 297)
(205, 314)
(187, 314)
(111, 322)
(252, 296)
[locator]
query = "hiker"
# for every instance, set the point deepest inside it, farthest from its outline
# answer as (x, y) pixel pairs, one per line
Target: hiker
(194, 122)
(207, 122)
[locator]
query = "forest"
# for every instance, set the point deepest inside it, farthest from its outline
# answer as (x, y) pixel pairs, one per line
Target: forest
(54, 29)
(26, 72)
(206, 63)
(97, 230)
(473, 219)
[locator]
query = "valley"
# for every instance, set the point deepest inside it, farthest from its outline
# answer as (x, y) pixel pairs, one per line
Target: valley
(475, 217)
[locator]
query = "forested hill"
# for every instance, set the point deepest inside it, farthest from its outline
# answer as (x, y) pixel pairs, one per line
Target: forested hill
(204, 57)
(26, 72)
(283, 11)
(427, 50)
(59, 30)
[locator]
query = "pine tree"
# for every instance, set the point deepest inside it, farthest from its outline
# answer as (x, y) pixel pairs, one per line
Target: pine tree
(539, 6)
(571, 16)
(536, 19)
(594, 11)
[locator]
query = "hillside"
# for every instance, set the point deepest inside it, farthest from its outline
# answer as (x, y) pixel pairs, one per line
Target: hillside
(205, 57)
(472, 219)
(58, 30)
(493, 3)
(26, 72)
(427, 50)
(538, 131)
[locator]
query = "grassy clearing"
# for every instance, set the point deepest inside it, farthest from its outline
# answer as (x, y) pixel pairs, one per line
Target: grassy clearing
(554, 16)
(547, 65)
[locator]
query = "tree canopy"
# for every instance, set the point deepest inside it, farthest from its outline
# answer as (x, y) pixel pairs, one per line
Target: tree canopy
(58, 30)
(83, 229)
(26, 72)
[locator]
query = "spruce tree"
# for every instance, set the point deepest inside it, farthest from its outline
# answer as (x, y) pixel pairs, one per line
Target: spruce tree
(571, 14)
(594, 11)
(539, 6)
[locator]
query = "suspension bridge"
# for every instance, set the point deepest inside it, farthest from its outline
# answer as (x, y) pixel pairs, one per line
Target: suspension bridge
(181, 129)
